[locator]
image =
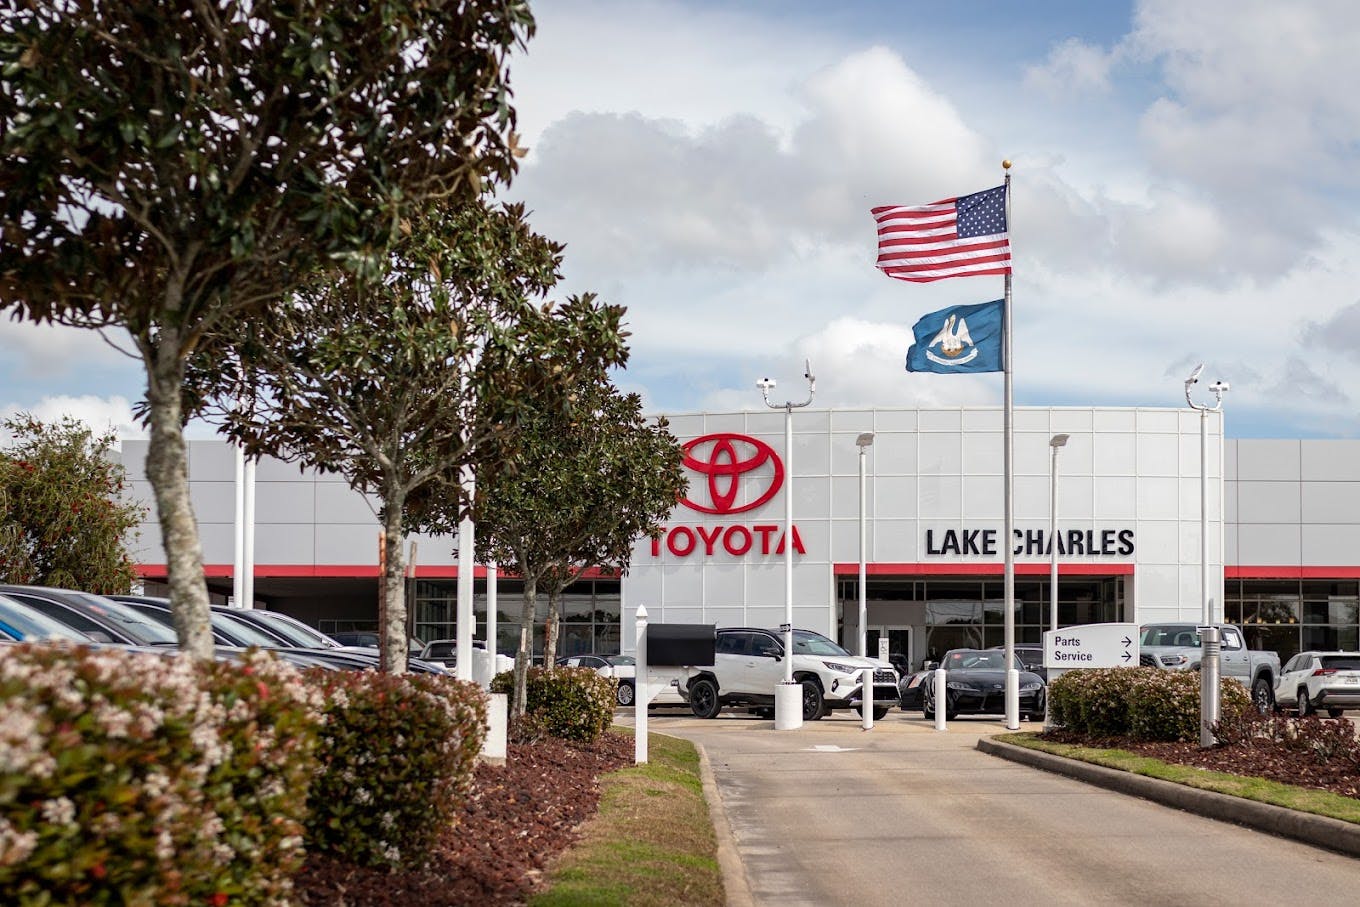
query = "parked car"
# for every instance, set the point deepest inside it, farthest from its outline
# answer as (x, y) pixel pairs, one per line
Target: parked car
(286, 627)
(445, 652)
(1313, 681)
(975, 683)
(622, 668)
(1031, 656)
(368, 639)
(748, 663)
(22, 623)
(1176, 647)
(227, 631)
(910, 686)
(100, 618)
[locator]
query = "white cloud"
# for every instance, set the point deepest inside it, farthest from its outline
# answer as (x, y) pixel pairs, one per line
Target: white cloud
(101, 414)
(1072, 67)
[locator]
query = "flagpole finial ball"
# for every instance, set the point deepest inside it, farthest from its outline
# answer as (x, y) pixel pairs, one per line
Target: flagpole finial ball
(1006, 164)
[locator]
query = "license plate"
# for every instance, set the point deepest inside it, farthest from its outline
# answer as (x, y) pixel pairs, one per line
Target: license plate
(1351, 681)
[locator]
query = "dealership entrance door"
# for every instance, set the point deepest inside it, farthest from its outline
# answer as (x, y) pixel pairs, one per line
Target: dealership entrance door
(898, 639)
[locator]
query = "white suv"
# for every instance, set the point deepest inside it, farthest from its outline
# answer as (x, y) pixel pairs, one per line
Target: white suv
(748, 663)
(1312, 681)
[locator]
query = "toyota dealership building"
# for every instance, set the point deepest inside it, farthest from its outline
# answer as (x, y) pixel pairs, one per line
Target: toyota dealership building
(1283, 518)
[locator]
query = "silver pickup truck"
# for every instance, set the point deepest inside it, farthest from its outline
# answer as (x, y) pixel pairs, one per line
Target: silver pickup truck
(1176, 647)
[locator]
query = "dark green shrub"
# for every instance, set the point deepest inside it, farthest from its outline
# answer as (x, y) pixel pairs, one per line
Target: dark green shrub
(397, 754)
(1145, 703)
(571, 703)
(1164, 705)
(1094, 701)
(136, 778)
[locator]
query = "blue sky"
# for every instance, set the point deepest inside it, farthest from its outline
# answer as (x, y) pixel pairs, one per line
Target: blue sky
(1184, 192)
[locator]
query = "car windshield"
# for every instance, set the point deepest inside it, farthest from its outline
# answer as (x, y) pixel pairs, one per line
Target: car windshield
(805, 642)
(1170, 635)
(239, 629)
(296, 632)
(621, 660)
(26, 623)
(131, 621)
(974, 660)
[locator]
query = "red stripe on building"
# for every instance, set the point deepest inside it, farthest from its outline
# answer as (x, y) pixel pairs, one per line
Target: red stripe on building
(1291, 572)
(344, 571)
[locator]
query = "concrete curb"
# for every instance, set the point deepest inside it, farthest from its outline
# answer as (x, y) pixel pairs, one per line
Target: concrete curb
(1333, 834)
(733, 870)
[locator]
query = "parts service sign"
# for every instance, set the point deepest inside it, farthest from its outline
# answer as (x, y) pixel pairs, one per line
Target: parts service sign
(721, 467)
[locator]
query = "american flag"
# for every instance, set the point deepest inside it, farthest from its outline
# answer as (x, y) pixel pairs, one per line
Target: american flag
(955, 237)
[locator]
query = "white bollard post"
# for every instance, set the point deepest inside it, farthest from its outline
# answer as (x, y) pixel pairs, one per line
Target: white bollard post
(639, 691)
(497, 720)
(866, 701)
(941, 697)
(1013, 699)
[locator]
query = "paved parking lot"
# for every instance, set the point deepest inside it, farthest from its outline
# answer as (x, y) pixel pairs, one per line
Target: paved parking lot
(830, 814)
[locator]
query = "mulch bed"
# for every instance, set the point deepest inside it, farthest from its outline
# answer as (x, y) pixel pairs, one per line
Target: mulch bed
(1259, 760)
(515, 822)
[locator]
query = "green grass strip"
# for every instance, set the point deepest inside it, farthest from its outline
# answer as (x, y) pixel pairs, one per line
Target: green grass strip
(652, 842)
(1303, 799)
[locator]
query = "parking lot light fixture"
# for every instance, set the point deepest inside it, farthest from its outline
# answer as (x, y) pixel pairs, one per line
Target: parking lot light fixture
(864, 442)
(1056, 443)
(788, 702)
(1209, 704)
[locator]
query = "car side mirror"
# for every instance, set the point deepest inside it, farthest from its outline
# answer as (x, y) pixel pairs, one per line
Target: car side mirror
(932, 665)
(100, 636)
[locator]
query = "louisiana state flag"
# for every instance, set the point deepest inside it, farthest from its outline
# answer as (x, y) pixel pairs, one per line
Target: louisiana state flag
(963, 338)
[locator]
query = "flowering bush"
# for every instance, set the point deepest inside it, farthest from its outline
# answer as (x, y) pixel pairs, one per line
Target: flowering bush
(571, 703)
(137, 778)
(1145, 703)
(397, 753)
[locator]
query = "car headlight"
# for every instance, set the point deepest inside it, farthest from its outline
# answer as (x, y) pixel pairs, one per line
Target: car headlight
(959, 685)
(1174, 659)
(844, 669)
(1030, 687)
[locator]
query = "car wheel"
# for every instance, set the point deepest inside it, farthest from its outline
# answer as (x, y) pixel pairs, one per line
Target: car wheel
(926, 711)
(1336, 713)
(703, 698)
(1035, 716)
(1262, 696)
(880, 711)
(812, 701)
(1305, 707)
(625, 694)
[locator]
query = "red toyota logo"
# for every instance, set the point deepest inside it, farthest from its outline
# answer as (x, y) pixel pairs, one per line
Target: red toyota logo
(716, 456)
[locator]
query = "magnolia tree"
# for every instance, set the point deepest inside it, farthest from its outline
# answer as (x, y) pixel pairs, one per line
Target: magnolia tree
(63, 517)
(401, 381)
(588, 481)
(172, 170)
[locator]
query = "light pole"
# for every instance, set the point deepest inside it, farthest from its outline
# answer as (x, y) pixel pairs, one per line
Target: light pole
(1057, 443)
(1209, 641)
(788, 698)
(864, 442)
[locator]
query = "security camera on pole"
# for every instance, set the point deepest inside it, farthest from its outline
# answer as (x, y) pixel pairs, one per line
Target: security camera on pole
(788, 696)
(1209, 641)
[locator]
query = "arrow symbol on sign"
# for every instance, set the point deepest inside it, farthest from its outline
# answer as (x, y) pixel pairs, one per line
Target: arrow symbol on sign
(1127, 642)
(1127, 657)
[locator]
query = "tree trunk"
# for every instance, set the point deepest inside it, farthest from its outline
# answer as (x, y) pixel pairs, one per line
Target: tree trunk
(551, 631)
(392, 634)
(526, 643)
(167, 469)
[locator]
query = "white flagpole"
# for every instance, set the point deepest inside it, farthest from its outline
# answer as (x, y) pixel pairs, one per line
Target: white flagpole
(1008, 432)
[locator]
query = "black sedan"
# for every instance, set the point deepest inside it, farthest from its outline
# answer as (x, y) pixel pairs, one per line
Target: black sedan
(975, 680)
